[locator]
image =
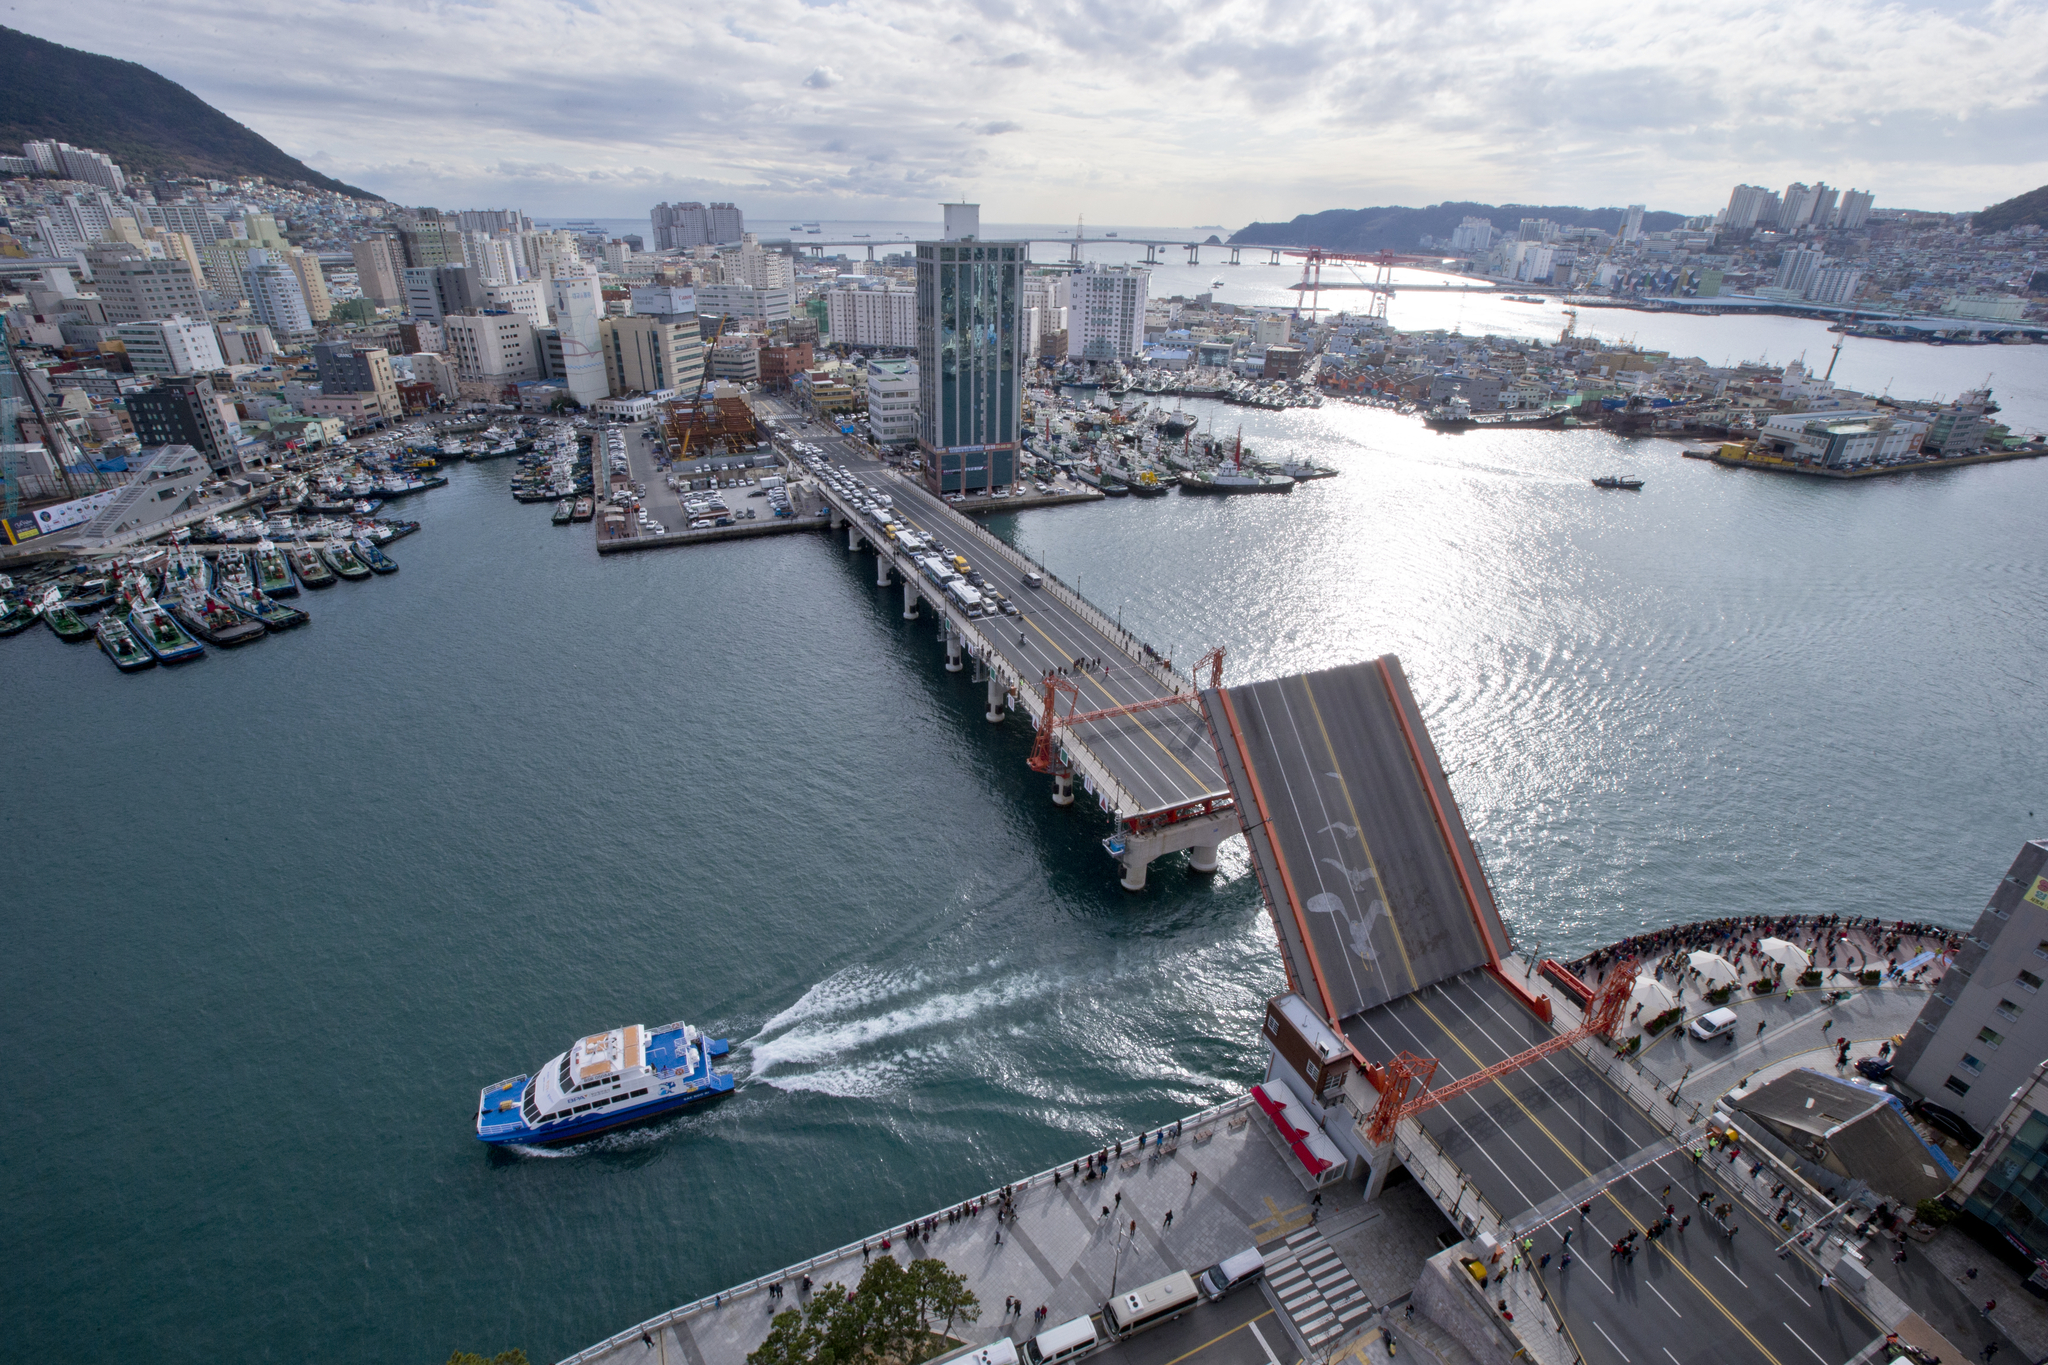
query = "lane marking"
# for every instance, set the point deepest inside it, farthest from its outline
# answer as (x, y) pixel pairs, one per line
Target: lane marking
(1803, 1342)
(1667, 1303)
(1674, 1359)
(1337, 770)
(1270, 1357)
(1610, 1341)
(1213, 1340)
(1731, 1271)
(1788, 1284)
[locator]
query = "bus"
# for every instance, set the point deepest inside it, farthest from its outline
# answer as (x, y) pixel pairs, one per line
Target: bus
(1149, 1305)
(967, 598)
(1001, 1351)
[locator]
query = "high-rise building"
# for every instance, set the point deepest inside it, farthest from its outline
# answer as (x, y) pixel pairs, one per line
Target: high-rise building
(430, 244)
(275, 295)
(496, 260)
(176, 345)
(1797, 269)
(578, 309)
(524, 299)
(378, 265)
(1474, 234)
(871, 312)
(1106, 311)
(651, 352)
(1745, 206)
(492, 220)
(680, 226)
(493, 346)
(197, 221)
(312, 284)
(892, 401)
(1632, 223)
(184, 410)
(344, 369)
(972, 363)
(1855, 211)
(135, 288)
(728, 224)
(1834, 284)
(437, 291)
(75, 163)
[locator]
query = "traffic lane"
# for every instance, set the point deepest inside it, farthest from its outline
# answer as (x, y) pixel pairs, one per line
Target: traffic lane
(1219, 1333)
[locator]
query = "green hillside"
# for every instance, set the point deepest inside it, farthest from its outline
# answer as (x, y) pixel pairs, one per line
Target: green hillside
(146, 123)
(2031, 207)
(1402, 229)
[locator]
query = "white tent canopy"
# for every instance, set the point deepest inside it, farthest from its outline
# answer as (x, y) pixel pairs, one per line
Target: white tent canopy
(1789, 955)
(1653, 995)
(1715, 968)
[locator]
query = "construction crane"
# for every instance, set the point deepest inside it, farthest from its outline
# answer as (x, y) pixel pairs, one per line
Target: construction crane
(1313, 259)
(1395, 1077)
(1044, 751)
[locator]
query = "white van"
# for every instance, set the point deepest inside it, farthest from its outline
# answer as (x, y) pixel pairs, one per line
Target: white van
(1034, 579)
(1713, 1024)
(1064, 1342)
(1001, 1351)
(1232, 1272)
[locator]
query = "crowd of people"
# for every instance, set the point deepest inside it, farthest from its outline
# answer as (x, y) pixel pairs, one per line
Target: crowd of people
(1849, 943)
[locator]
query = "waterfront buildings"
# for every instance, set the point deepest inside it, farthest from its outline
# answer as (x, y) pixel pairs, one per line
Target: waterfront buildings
(1106, 311)
(651, 352)
(1984, 1031)
(184, 410)
(577, 355)
(972, 359)
(2005, 1183)
(495, 348)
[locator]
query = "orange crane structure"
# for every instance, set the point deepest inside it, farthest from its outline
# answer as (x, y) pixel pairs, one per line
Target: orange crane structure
(1314, 258)
(1395, 1077)
(1044, 753)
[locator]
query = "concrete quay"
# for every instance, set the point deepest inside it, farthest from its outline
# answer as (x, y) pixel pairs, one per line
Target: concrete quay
(1225, 1185)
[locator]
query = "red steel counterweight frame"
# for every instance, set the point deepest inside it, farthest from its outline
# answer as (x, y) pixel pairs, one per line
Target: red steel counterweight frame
(1396, 1076)
(1044, 753)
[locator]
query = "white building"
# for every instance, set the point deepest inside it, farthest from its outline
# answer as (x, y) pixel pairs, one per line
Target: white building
(523, 299)
(664, 299)
(176, 345)
(138, 290)
(1274, 329)
(745, 301)
(1840, 438)
(1797, 269)
(578, 309)
(1474, 234)
(1632, 223)
(275, 295)
(1106, 317)
(865, 312)
(495, 259)
(1834, 284)
(892, 401)
(1855, 209)
(1988, 307)
(1745, 206)
(494, 346)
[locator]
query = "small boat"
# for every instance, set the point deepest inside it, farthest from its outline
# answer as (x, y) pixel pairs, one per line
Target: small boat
(1235, 481)
(605, 1081)
(161, 635)
(341, 558)
(585, 509)
(563, 511)
(306, 563)
(1627, 481)
(16, 616)
(118, 643)
(374, 558)
(64, 621)
(271, 572)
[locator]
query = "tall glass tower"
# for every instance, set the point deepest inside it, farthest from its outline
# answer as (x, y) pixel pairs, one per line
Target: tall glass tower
(971, 360)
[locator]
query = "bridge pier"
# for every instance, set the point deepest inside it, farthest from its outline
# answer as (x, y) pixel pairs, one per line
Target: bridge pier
(1233, 254)
(1202, 858)
(1063, 787)
(1194, 253)
(995, 714)
(910, 599)
(852, 537)
(1134, 873)
(882, 579)
(953, 664)
(1274, 257)
(837, 520)
(1151, 253)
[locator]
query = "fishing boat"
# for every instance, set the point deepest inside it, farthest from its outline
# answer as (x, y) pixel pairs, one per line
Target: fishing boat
(201, 611)
(585, 509)
(234, 586)
(376, 560)
(118, 643)
(271, 572)
(605, 1081)
(341, 558)
(161, 635)
(306, 563)
(1627, 481)
(63, 620)
(1453, 414)
(563, 511)
(16, 616)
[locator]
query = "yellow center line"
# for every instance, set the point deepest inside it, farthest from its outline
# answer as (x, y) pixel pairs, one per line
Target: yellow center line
(1336, 771)
(1608, 1193)
(1213, 1340)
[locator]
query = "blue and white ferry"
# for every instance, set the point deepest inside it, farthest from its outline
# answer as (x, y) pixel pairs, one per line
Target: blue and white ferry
(605, 1081)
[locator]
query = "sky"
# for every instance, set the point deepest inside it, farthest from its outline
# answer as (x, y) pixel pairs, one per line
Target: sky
(1158, 112)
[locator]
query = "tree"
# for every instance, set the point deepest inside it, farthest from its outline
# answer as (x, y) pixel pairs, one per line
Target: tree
(886, 1317)
(937, 1288)
(796, 1336)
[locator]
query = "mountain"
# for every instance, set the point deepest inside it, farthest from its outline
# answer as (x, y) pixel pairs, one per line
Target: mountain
(148, 124)
(2031, 207)
(1402, 229)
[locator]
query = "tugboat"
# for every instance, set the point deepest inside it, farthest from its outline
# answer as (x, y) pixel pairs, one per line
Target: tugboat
(605, 1081)
(1453, 414)
(1628, 481)
(585, 509)
(273, 574)
(563, 511)
(376, 559)
(153, 626)
(231, 583)
(204, 614)
(343, 561)
(311, 572)
(16, 615)
(64, 621)
(119, 645)
(1235, 478)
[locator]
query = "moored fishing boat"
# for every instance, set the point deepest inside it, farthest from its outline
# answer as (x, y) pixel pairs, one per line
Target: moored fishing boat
(341, 558)
(585, 509)
(118, 643)
(161, 635)
(563, 511)
(233, 585)
(306, 563)
(607, 1080)
(376, 559)
(16, 616)
(64, 621)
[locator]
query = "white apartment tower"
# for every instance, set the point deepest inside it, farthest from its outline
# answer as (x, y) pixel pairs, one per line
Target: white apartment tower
(275, 294)
(872, 313)
(578, 309)
(1106, 311)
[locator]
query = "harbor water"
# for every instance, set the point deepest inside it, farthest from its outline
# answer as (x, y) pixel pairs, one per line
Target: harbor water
(276, 916)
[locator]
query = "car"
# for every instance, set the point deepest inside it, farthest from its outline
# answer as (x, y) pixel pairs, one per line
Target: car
(1713, 1024)
(1947, 1122)
(1873, 1068)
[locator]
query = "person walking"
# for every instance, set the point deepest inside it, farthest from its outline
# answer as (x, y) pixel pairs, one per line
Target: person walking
(1990, 1350)
(1169, 1218)
(1760, 1025)
(1985, 1311)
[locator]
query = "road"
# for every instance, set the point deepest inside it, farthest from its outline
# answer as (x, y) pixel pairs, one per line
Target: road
(1557, 1129)
(1163, 758)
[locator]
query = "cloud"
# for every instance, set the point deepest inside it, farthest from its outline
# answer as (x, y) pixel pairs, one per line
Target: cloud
(600, 110)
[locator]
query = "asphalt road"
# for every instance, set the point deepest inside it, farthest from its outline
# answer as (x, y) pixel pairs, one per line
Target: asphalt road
(1162, 758)
(1239, 1330)
(1556, 1130)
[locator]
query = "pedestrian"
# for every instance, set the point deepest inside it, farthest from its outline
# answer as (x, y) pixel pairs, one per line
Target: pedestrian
(1105, 1213)
(1169, 1218)
(1684, 1222)
(1567, 1237)
(1985, 1312)
(1760, 1025)
(1825, 1281)
(1990, 1350)
(863, 1253)
(1564, 1260)
(1119, 1198)
(1134, 1227)
(1825, 1027)
(1970, 1274)
(999, 1234)
(1193, 1176)
(1667, 1193)
(1585, 1208)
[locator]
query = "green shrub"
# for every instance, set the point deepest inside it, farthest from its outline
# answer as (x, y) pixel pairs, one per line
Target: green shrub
(1872, 977)
(1719, 995)
(1809, 978)
(1664, 1021)
(1760, 986)
(1933, 1212)
(1630, 1046)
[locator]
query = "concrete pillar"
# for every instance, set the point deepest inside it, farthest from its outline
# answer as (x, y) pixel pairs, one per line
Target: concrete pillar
(995, 714)
(953, 664)
(837, 520)
(909, 600)
(1382, 1163)
(1134, 872)
(1063, 787)
(1202, 858)
(852, 536)
(881, 570)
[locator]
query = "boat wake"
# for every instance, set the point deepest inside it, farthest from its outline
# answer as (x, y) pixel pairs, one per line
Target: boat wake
(835, 1041)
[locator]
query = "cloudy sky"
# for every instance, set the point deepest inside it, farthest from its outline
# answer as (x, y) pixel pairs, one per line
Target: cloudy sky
(1125, 111)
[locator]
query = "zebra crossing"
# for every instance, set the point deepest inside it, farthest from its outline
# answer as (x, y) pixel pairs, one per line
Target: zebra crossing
(1321, 1298)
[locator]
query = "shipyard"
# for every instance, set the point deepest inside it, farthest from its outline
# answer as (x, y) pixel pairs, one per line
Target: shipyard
(748, 706)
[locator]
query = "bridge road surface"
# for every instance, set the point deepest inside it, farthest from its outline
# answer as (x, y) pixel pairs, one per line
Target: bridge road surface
(1691, 1298)
(1163, 758)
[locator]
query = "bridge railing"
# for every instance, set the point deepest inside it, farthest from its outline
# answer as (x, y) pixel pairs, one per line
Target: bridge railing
(1043, 1178)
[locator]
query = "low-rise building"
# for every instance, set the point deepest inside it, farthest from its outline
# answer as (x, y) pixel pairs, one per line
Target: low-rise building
(892, 401)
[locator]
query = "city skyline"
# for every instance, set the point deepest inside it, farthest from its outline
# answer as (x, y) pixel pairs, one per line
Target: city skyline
(852, 110)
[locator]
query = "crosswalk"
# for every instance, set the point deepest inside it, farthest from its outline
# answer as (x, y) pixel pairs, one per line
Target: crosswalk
(1314, 1289)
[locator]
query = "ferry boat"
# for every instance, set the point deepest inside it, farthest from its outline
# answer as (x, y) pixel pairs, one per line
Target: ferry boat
(604, 1081)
